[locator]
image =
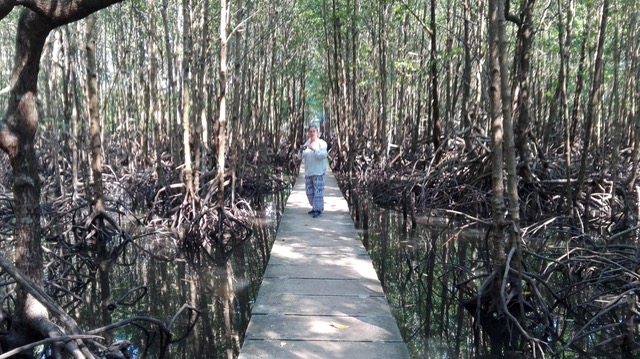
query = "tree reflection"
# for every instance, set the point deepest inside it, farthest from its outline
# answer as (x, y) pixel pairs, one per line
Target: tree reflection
(579, 292)
(222, 292)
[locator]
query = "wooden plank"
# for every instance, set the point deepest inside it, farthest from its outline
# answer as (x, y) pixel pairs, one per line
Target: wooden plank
(320, 296)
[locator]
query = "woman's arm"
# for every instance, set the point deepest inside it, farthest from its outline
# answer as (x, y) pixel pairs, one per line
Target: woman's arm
(321, 152)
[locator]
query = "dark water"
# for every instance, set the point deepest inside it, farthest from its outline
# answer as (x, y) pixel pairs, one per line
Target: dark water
(222, 294)
(431, 274)
(427, 271)
(417, 267)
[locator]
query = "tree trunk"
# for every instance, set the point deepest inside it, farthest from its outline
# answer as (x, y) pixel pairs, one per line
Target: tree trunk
(95, 132)
(435, 101)
(383, 125)
(496, 20)
(561, 98)
(513, 199)
(222, 103)
(17, 134)
(95, 126)
(465, 115)
(594, 97)
(186, 101)
(171, 85)
(577, 100)
(521, 90)
(634, 117)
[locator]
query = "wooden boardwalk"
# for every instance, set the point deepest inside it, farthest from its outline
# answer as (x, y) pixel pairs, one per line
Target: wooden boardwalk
(320, 296)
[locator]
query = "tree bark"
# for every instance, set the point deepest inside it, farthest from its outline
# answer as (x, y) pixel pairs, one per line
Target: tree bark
(594, 96)
(186, 101)
(222, 103)
(17, 135)
(435, 99)
(521, 91)
(95, 133)
(496, 20)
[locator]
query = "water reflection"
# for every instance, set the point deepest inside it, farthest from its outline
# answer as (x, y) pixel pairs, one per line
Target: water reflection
(419, 268)
(426, 272)
(222, 294)
(431, 274)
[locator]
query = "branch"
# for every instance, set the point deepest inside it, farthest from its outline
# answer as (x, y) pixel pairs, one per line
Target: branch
(43, 298)
(112, 326)
(39, 294)
(510, 17)
(65, 338)
(5, 7)
(63, 12)
(422, 24)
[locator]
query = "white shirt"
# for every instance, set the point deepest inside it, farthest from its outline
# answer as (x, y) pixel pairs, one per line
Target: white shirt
(315, 159)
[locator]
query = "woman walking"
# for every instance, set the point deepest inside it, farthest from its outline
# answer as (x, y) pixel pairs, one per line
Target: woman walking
(314, 153)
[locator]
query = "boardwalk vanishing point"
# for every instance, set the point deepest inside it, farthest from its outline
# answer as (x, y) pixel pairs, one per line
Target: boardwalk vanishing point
(320, 297)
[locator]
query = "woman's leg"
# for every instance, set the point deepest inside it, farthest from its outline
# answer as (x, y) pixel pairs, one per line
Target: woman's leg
(318, 193)
(308, 185)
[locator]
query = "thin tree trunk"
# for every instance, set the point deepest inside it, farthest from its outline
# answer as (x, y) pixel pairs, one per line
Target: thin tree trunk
(594, 97)
(95, 131)
(577, 100)
(561, 98)
(513, 226)
(634, 118)
(383, 125)
(496, 20)
(435, 100)
(154, 98)
(465, 120)
(415, 133)
(222, 102)
(521, 90)
(186, 100)
(72, 116)
(95, 126)
(171, 123)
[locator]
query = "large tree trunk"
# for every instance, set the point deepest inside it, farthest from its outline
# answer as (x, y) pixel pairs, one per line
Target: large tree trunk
(17, 135)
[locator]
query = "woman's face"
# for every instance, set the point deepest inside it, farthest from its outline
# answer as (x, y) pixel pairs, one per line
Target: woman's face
(313, 133)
